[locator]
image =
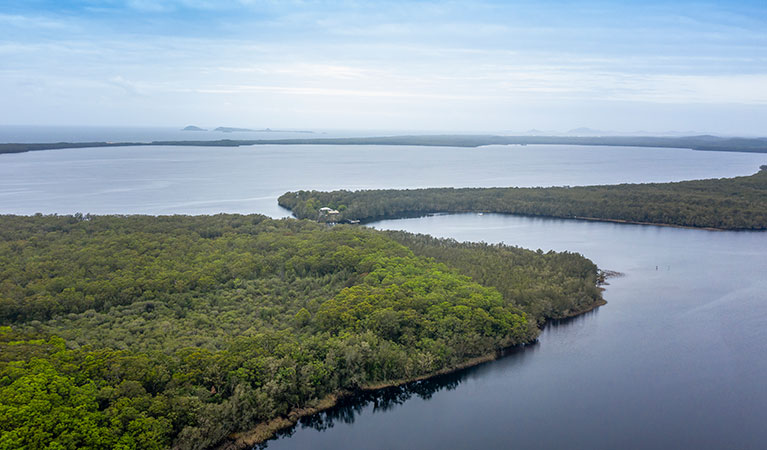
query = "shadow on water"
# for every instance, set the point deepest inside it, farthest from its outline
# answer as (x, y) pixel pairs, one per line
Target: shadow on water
(569, 321)
(382, 400)
(350, 408)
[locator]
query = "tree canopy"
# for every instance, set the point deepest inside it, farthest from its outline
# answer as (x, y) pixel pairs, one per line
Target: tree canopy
(138, 332)
(727, 203)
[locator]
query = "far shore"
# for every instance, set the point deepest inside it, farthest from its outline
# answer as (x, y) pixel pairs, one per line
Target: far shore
(703, 143)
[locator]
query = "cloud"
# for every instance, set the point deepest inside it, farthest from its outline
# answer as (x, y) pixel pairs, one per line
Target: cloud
(26, 22)
(129, 87)
(436, 59)
(154, 6)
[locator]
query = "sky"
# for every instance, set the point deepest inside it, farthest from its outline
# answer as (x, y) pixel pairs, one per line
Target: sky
(461, 66)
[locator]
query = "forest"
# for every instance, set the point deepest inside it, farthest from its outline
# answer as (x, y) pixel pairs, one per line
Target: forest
(142, 332)
(738, 203)
(703, 142)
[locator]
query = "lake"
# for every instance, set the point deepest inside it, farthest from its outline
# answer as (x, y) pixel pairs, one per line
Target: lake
(677, 358)
(209, 180)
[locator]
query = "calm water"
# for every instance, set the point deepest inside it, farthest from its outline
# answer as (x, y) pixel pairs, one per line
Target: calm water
(199, 180)
(676, 359)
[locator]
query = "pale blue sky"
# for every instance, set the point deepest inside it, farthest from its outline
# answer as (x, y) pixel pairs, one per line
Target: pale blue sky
(428, 65)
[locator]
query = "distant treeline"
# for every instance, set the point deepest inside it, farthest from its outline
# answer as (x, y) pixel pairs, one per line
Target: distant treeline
(23, 147)
(145, 332)
(729, 203)
(705, 142)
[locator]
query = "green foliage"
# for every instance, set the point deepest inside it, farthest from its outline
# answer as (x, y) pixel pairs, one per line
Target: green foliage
(545, 285)
(735, 203)
(151, 332)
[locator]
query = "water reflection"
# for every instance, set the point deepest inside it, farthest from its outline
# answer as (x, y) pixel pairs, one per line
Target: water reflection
(570, 321)
(372, 402)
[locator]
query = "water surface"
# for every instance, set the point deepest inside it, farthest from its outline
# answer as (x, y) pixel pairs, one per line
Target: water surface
(209, 180)
(676, 359)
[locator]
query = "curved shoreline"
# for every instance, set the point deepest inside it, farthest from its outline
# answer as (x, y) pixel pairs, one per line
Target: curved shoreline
(714, 204)
(267, 430)
(407, 215)
(631, 222)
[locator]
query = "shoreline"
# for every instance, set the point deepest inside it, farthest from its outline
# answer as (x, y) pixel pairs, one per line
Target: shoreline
(267, 430)
(407, 215)
(592, 307)
(698, 143)
(631, 222)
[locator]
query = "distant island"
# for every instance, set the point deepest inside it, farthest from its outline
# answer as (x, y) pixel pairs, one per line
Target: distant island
(193, 128)
(704, 142)
(727, 203)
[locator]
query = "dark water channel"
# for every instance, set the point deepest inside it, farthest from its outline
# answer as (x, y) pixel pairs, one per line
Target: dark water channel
(676, 359)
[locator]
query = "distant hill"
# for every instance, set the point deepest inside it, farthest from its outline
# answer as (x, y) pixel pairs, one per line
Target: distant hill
(583, 131)
(193, 128)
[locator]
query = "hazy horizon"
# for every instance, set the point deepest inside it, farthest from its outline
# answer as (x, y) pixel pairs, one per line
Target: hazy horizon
(486, 66)
(8, 130)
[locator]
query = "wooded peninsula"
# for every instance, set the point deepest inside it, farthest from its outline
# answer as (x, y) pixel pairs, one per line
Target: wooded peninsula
(141, 332)
(738, 203)
(703, 142)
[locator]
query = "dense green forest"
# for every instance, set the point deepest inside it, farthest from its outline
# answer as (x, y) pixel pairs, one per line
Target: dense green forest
(138, 332)
(728, 203)
(704, 142)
